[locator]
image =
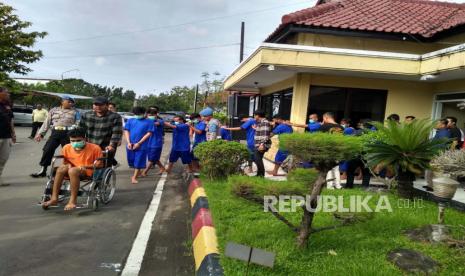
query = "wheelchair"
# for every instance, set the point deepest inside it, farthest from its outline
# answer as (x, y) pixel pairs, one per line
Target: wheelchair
(99, 188)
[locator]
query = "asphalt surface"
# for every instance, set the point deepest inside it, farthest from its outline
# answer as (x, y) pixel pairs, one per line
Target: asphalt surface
(83, 242)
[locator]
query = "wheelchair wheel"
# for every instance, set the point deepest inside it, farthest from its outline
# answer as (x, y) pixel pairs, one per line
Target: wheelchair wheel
(108, 186)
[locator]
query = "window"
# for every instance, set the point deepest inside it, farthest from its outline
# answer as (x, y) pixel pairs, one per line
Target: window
(353, 103)
(277, 103)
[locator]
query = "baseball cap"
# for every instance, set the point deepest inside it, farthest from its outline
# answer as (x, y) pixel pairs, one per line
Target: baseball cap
(206, 112)
(101, 100)
(66, 97)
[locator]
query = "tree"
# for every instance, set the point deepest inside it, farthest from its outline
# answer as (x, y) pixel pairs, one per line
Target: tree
(16, 44)
(406, 148)
(325, 151)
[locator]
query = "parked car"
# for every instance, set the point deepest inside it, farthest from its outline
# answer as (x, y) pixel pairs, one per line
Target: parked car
(23, 115)
(167, 117)
(126, 116)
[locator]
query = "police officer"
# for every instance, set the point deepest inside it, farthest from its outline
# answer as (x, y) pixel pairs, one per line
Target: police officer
(60, 120)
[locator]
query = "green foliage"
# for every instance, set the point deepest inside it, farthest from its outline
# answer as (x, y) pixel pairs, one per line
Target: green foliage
(405, 146)
(180, 98)
(361, 247)
(302, 175)
(16, 44)
(124, 100)
(221, 116)
(256, 187)
(322, 149)
(219, 158)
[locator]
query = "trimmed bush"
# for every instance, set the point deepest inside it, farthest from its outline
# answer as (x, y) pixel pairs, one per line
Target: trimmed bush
(322, 149)
(256, 188)
(219, 158)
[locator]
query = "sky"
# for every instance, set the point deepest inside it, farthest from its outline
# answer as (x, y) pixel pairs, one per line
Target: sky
(95, 37)
(104, 39)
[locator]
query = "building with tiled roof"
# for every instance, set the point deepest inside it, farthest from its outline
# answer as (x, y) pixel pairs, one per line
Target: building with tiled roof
(361, 59)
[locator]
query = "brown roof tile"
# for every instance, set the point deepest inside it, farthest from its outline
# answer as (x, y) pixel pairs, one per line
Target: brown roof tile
(414, 17)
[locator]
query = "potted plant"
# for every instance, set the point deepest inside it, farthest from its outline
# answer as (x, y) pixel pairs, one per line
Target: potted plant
(406, 148)
(449, 164)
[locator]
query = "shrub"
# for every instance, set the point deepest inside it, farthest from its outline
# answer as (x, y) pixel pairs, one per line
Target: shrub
(219, 158)
(322, 149)
(256, 188)
(451, 162)
(302, 175)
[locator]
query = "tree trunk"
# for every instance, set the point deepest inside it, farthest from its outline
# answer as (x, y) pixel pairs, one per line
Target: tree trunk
(405, 185)
(307, 217)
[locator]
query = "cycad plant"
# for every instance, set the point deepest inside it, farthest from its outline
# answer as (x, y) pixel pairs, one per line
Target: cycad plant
(406, 148)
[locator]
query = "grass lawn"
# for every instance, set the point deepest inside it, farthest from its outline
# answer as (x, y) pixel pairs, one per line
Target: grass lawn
(361, 248)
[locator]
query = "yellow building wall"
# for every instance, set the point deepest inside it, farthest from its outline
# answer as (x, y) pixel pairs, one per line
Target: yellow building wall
(372, 44)
(450, 86)
(404, 97)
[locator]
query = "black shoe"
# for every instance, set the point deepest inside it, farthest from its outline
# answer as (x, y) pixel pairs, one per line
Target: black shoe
(30, 137)
(37, 175)
(428, 188)
(41, 173)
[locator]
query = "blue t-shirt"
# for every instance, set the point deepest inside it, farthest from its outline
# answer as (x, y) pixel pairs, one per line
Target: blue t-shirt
(137, 129)
(442, 133)
(349, 131)
(225, 134)
(282, 128)
(156, 140)
(200, 138)
(250, 132)
(181, 140)
(314, 127)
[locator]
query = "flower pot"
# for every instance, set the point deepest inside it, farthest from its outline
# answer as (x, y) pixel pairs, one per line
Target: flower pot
(445, 187)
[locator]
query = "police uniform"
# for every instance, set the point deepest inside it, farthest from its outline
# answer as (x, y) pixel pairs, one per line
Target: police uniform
(60, 121)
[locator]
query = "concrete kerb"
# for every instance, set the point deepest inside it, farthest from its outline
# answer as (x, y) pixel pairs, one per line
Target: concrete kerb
(205, 244)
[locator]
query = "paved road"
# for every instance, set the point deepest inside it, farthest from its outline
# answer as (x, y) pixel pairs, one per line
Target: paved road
(37, 242)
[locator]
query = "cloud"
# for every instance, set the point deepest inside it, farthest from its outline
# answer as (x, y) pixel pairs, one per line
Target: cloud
(197, 31)
(100, 61)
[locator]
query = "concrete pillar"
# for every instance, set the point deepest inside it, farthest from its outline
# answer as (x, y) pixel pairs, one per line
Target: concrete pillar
(300, 96)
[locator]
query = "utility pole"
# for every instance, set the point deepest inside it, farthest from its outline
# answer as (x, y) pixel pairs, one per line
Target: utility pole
(241, 55)
(195, 98)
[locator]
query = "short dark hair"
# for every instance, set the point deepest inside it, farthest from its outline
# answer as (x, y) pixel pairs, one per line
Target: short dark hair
(443, 121)
(243, 116)
(452, 118)
(77, 132)
(348, 120)
(181, 117)
(152, 110)
(112, 103)
(329, 114)
(394, 117)
(195, 115)
(260, 113)
(410, 117)
(138, 110)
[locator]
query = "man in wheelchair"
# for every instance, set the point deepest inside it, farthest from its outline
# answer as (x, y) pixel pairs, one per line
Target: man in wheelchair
(79, 157)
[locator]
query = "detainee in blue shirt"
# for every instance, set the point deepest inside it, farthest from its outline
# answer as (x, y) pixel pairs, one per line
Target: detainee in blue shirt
(224, 133)
(281, 155)
(137, 132)
(441, 130)
(312, 126)
(181, 144)
(199, 130)
(155, 144)
(247, 125)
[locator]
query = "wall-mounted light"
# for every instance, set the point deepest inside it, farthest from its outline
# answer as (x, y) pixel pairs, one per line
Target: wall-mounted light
(429, 77)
